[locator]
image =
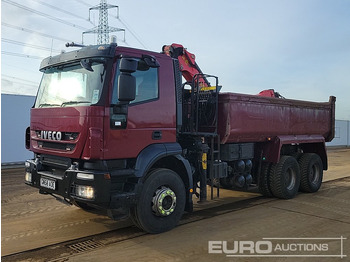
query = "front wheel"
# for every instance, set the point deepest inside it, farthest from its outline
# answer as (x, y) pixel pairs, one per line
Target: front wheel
(161, 203)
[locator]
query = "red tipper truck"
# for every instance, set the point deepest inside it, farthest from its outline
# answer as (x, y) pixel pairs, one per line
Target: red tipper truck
(118, 129)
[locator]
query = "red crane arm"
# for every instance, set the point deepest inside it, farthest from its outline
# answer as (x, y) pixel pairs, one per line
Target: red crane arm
(190, 69)
(187, 60)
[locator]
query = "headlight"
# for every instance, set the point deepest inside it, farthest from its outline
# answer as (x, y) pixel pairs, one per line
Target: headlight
(27, 164)
(28, 177)
(85, 192)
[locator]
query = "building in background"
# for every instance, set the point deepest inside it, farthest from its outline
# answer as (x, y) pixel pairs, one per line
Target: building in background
(15, 117)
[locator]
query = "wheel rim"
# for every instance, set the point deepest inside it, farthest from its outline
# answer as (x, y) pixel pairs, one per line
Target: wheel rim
(163, 202)
(314, 174)
(290, 179)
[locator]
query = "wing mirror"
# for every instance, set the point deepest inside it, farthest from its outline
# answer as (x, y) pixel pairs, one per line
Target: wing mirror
(126, 81)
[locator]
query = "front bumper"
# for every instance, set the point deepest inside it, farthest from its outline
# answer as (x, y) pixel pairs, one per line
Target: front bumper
(95, 188)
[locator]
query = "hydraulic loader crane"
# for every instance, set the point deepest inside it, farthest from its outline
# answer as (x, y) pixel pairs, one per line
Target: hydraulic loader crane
(190, 69)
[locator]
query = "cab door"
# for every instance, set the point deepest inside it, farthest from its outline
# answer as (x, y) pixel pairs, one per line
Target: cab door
(150, 118)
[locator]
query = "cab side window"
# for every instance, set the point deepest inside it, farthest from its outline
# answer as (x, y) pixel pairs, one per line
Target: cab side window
(146, 84)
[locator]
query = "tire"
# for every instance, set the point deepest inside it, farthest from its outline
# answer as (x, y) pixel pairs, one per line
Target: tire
(134, 218)
(264, 180)
(285, 178)
(161, 203)
(297, 156)
(311, 172)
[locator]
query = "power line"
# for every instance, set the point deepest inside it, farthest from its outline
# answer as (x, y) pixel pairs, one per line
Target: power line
(27, 82)
(103, 29)
(43, 14)
(62, 10)
(35, 85)
(131, 31)
(21, 55)
(28, 45)
(19, 67)
(84, 3)
(35, 32)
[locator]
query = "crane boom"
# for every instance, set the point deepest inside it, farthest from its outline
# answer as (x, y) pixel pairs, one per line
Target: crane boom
(187, 60)
(190, 68)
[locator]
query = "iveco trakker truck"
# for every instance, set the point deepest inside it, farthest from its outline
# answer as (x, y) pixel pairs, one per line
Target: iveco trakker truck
(143, 134)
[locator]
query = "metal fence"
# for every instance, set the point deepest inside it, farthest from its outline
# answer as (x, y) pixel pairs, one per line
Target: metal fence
(342, 134)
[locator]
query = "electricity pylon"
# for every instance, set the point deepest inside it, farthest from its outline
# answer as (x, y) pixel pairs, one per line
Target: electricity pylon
(103, 30)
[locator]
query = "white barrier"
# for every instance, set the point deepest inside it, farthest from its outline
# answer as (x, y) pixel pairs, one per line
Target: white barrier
(342, 134)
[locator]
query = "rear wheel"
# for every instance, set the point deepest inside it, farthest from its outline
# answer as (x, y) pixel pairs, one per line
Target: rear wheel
(161, 203)
(285, 178)
(264, 180)
(311, 171)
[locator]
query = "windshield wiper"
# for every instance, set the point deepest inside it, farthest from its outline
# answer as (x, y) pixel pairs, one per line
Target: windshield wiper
(74, 102)
(45, 104)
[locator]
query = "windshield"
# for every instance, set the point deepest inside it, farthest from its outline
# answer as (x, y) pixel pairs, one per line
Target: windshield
(71, 85)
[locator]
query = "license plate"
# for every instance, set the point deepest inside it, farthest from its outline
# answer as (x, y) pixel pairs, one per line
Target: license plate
(48, 183)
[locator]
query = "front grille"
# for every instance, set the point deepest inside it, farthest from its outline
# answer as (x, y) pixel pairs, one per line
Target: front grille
(70, 136)
(55, 145)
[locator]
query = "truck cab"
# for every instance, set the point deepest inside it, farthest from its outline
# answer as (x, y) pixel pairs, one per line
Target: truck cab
(103, 116)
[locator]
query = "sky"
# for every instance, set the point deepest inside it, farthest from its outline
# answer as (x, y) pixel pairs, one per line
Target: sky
(300, 48)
